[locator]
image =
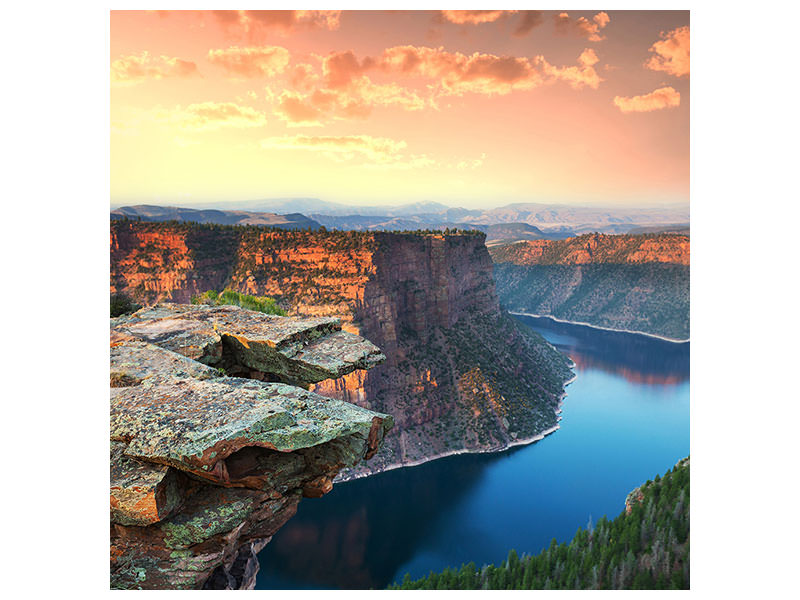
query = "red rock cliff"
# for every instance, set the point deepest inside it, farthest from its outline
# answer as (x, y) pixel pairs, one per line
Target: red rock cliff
(460, 374)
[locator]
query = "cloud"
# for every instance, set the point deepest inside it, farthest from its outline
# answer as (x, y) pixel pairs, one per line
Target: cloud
(360, 150)
(582, 26)
(528, 18)
(671, 53)
(255, 61)
(473, 17)
(339, 68)
(486, 73)
(527, 21)
(210, 116)
(340, 148)
(302, 77)
(665, 97)
(458, 73)
(297, 113)
(133, 69)
(255, 23)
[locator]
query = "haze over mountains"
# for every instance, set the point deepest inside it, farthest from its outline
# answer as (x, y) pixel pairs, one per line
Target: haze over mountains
(520, 221)
(146, 212)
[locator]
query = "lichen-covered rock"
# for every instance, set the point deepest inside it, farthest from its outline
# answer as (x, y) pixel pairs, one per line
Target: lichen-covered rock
(205, 467)
(299, 351)
(194, 425)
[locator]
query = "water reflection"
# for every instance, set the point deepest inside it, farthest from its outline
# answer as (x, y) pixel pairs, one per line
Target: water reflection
(637, 358)
(626, 418)
(357, 535)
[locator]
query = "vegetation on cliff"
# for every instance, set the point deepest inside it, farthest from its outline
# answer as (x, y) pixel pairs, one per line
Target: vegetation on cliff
(121, 304)
(262, 304)
(645, 547)
(628, 282)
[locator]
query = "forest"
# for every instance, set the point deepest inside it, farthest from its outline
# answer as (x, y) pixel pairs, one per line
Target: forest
(645, 547)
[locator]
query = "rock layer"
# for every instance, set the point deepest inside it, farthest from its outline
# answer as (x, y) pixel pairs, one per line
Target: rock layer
(204, 466)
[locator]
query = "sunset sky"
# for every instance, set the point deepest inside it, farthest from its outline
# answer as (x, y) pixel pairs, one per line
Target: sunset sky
(469, 108)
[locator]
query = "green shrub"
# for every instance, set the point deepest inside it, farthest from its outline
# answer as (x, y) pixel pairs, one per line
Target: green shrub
(122, 305)
(262, 304)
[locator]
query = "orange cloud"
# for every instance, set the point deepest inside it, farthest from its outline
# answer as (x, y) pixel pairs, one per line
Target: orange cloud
(254, 61)
(486, 73)
(297, 113)
(582, 26)
(339, 68)
(577, 77)
(130, 70)
(458, 73)
(210, 116)
(473, 17)
(665, 97)
(303, 77)
(671, 53)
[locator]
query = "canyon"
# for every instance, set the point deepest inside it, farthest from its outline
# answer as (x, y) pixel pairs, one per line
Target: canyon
(206, 467)
(460, 375)
(634, 283)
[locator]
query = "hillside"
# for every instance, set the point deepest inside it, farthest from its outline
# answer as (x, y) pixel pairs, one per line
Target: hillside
(426, 299)
(144, 212)
(645, 547)
(627, 282)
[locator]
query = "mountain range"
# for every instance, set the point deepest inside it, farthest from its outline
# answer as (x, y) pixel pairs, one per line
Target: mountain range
(519, 221)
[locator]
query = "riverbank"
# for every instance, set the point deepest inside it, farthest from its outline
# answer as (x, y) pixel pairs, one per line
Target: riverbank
(512, 444)
(557, 320)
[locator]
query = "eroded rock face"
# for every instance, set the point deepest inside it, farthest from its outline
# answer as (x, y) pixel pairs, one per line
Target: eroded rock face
(460, 375)
(206, 467)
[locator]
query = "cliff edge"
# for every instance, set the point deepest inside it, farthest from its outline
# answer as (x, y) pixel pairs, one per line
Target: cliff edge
(206, 467)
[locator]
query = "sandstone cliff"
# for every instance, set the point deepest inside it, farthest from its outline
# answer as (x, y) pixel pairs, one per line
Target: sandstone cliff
(627, 282)
(460, 374)
(206, 467)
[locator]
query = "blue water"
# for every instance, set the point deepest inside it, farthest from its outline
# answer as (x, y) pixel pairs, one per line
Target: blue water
(625, 419)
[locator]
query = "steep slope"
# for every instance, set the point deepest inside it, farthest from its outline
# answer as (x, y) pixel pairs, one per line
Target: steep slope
(628, 282)
(460, 374)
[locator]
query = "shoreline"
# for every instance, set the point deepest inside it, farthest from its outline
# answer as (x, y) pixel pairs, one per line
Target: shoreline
(557, 320)
(518, 442)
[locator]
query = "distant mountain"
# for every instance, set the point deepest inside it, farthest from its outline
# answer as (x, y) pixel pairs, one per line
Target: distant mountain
(674, 228)
(583, 219)
(146, 212)
(553, 221)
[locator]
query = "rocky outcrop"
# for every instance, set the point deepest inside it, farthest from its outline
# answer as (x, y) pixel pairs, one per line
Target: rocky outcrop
(206, 467)
(636, 496)
(626, 282)
(460, 375)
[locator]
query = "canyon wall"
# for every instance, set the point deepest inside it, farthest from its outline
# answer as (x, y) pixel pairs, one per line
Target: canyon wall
(460, 374)
(627, 282)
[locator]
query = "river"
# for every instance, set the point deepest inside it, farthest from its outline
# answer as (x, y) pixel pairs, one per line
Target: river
(624, 420)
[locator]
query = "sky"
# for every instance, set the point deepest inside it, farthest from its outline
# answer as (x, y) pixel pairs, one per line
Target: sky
(469, 108)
